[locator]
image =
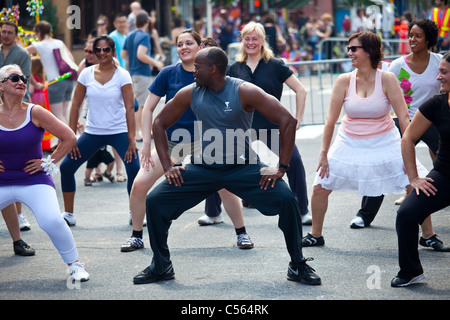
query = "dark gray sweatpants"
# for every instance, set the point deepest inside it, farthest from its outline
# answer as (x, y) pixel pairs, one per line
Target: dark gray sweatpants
(167, 202)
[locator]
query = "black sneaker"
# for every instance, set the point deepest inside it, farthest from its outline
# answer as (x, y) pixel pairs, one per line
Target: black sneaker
(303, 273)
(401, 282)
(146, 276)
(21, 248)
(435, 243)
(310, 241)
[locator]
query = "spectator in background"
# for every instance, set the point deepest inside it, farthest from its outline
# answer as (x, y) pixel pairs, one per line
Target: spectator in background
(346, 26)
(274, 35)
(137, 50)
(156, 50)
(135, 7)
(59, 93)
(119, 35)
(227, 36)
(102, 27)
(177, 28)
(327, 30)
(11, 53)
(359, 23)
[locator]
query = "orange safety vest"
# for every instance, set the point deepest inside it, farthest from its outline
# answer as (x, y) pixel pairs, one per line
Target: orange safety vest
(443, 24)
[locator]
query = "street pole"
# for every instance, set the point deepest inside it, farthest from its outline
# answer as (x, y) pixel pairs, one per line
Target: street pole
(209, 18)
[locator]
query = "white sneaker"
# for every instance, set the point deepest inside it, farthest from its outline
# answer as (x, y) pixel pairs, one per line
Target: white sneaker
(130, 220)
(307, 219)
(24, 225)
(357, 223)
(399, 201)
(70, 218)
(204, 220)
(78, 272)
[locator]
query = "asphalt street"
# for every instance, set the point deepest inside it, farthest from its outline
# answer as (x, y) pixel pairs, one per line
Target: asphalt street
(353, 264)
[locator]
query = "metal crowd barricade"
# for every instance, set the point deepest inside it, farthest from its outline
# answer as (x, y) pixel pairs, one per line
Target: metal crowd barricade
(318, 77)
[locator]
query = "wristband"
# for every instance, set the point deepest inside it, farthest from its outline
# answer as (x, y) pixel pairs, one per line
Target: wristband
(283, 166)
(49, 167)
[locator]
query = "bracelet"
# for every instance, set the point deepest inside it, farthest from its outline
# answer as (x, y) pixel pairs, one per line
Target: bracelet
(49, 167)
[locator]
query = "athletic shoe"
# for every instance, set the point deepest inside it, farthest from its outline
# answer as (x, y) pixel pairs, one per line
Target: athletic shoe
(132, 244)
(70, 218)
(78, 272)
(307, 219)
(204, 220)
(435, 243)
(311, 241)
(21, 248)
(357, 223)
(146, 276)
(244, 241)
(130, 220)
(24, 225)
(399, 201)
(400, 282)
(303, 273)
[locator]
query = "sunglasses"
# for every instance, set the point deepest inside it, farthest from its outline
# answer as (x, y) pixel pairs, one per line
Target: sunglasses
(14, 77)
(89, 51)
(353, 48)
(104, 49)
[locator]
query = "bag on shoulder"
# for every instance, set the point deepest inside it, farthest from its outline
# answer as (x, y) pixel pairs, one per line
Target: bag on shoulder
(65, 63)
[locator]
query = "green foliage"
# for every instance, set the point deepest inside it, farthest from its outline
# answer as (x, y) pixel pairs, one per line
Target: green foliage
(49, 14)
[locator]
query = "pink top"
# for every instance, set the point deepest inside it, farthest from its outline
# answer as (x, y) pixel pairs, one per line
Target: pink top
(369, 117)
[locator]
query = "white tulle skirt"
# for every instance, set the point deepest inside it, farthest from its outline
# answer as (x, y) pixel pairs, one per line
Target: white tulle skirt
(371, 166)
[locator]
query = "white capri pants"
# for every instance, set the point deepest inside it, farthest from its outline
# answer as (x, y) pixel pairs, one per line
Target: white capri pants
(43, 202)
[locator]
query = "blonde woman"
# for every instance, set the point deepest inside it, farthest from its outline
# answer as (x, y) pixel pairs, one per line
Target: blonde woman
(257, 64)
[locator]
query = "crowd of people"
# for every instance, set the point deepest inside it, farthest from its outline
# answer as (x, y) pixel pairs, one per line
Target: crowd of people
(117, 92)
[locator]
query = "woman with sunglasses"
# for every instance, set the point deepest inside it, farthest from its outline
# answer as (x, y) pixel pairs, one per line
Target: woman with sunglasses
(430, 194)
(110, 120)
(24, 176)
(167, 83)
(366, 154)
(417, 75)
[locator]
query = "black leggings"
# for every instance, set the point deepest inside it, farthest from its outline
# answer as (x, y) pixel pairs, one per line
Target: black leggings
(371, 205)
(413, 211)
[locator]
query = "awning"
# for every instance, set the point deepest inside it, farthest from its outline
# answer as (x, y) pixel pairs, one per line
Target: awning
(291, 4)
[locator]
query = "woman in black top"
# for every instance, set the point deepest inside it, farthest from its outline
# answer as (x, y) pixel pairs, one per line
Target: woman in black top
(257, 65)
(431, 192)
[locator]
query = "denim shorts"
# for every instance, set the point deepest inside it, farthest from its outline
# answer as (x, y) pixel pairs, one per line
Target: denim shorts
(60, 91)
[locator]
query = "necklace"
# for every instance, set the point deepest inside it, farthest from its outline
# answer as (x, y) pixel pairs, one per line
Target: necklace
(12, 115)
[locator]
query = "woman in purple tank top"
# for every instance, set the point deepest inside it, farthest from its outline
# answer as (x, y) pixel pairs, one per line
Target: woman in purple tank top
(24, 176)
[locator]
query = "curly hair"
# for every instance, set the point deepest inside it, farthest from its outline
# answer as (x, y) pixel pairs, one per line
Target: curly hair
(371, 43)
(430, 29)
